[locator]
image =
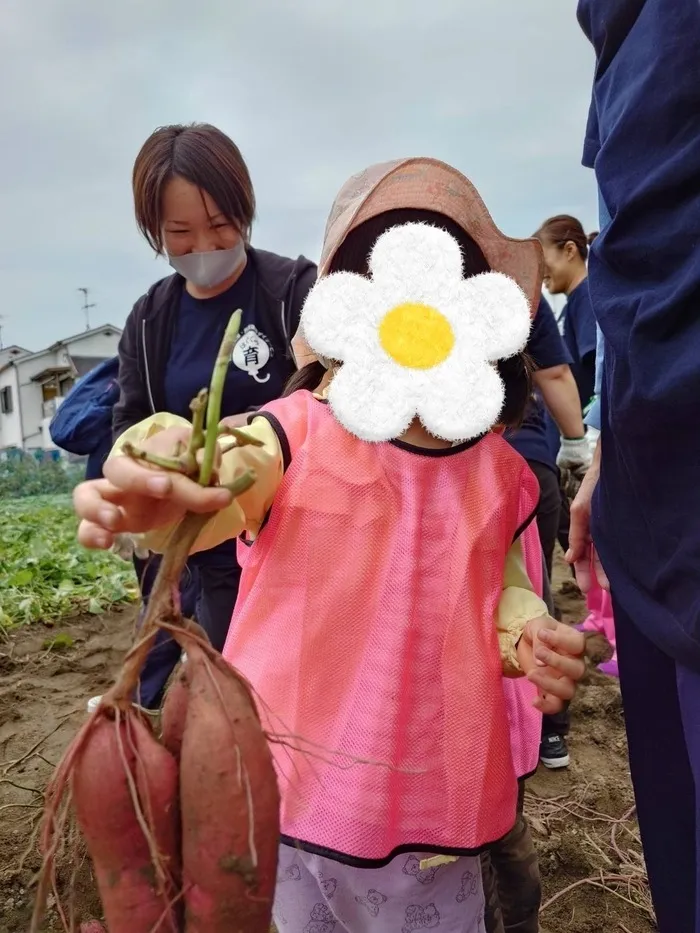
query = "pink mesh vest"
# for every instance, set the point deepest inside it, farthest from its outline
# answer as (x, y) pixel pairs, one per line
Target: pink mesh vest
(365, 622)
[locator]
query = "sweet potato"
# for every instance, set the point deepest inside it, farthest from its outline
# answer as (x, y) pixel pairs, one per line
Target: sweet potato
(214, 768)
(229, 804)
(124, 790)
(174, 713)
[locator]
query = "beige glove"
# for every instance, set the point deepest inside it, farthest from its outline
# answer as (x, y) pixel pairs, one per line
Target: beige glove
(126, 547)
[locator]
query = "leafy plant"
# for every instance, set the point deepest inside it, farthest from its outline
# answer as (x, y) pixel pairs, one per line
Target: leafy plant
(45, 575)
(24, 476)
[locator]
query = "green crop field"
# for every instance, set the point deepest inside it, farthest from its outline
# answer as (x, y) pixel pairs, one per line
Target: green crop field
(45, 576)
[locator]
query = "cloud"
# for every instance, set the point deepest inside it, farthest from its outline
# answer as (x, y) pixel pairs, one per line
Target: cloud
(311, 91)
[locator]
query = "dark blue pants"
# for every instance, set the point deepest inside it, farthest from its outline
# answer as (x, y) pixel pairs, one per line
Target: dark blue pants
(208, 594)
(662, 714)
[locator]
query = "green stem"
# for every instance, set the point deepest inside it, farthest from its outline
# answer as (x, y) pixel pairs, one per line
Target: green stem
(172, 464)
(242, 437)
(216, 390)
(242, 484)
(198, 407)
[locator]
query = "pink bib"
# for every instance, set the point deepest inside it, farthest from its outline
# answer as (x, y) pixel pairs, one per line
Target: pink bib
(365, 622)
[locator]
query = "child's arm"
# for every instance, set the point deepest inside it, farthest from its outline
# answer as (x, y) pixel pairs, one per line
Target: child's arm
(517, 605)
(533, 644)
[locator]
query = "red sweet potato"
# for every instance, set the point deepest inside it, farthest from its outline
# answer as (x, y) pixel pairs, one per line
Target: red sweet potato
(124, 792)
(229, 804)
(174, 713)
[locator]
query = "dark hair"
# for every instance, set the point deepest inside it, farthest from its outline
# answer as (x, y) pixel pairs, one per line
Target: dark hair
(353, 256)
(564, 229)
(202, 155)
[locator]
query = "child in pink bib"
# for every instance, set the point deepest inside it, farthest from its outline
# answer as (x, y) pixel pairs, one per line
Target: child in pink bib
(384, 591)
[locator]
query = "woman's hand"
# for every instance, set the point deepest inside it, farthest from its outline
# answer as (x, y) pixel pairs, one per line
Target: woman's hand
(551, 656)
(136, 497)
(582, 553)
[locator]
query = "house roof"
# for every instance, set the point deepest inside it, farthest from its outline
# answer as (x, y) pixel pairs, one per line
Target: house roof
(51, 371)
(102, 329)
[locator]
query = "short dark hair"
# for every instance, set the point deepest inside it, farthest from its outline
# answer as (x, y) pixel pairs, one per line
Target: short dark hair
(202, 155)
(353, 256)
(564, 229)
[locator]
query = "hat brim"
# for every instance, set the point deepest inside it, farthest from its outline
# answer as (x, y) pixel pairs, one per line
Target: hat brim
(428, 184)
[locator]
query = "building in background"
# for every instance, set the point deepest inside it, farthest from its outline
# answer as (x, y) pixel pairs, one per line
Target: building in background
(32, 385)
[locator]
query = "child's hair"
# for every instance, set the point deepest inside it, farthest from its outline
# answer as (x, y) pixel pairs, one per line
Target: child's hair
(564, 229)
(353, 256)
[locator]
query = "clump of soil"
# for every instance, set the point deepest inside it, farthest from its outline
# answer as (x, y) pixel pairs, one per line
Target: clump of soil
(578, 816)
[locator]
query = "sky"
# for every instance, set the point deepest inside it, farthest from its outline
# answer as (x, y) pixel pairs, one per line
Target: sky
(311, 91)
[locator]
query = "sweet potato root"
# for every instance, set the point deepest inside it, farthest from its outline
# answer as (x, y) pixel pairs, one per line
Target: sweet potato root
(229, 802)
(124, 791)
(212, 772)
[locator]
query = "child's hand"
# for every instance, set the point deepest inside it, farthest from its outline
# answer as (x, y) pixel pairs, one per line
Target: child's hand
(551, 655)
(136, 497)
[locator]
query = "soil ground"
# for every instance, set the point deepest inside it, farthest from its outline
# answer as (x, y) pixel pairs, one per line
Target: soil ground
(590, 857)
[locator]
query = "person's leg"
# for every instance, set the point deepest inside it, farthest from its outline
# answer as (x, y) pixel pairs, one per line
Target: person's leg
(218, 591)
(547, 510)
(493, 916)
(661, 772)
(165, 653)
(516, 870)
(689, 697)
(564, 521)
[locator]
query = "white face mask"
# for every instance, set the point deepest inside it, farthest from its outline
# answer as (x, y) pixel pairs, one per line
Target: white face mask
(209, 269)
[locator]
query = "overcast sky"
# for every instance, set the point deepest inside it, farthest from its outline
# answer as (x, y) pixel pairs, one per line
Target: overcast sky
(311, 90)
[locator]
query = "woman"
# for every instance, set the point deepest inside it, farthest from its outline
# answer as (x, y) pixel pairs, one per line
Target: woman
(565, 246)
(195, 205)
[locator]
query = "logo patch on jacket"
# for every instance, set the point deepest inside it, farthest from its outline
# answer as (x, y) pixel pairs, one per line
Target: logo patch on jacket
(252, 353)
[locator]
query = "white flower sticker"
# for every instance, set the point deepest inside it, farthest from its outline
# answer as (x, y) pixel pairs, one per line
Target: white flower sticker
(416, 339)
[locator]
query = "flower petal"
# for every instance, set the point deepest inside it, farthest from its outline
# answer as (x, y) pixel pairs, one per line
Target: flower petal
(375, 403)
(462, 403)
(493, 316)
(339, 312)
(414, 262)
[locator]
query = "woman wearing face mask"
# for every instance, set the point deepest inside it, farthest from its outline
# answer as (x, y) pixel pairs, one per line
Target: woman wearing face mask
(195, 204)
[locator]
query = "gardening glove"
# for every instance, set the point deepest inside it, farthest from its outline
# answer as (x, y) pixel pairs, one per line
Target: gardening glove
(126, 547)
(574, 454)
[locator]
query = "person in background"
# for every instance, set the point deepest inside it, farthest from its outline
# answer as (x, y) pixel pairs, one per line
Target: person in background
(195, 205)
(640, 501)
(565, 246)
(556, 389)
(600, 618)
(82, 425)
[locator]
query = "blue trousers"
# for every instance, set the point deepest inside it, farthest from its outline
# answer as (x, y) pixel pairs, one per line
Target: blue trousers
(662, 715)
(208, 594)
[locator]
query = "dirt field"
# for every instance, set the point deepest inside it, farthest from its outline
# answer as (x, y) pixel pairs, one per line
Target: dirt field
(590, 855)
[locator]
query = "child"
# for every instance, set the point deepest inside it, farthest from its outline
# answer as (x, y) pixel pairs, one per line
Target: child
(384, 593)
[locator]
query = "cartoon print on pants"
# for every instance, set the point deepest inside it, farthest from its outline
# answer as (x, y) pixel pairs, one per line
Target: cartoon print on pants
(328, 887)
(292, 873)
(372, 902)
(469, 886)
(424, 875)
(421, 918)
(322, 920)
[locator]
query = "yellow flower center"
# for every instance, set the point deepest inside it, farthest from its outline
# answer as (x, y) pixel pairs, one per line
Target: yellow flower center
(416, 335)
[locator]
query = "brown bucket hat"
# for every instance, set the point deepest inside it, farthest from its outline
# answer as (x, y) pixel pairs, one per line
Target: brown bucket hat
(428, 184)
